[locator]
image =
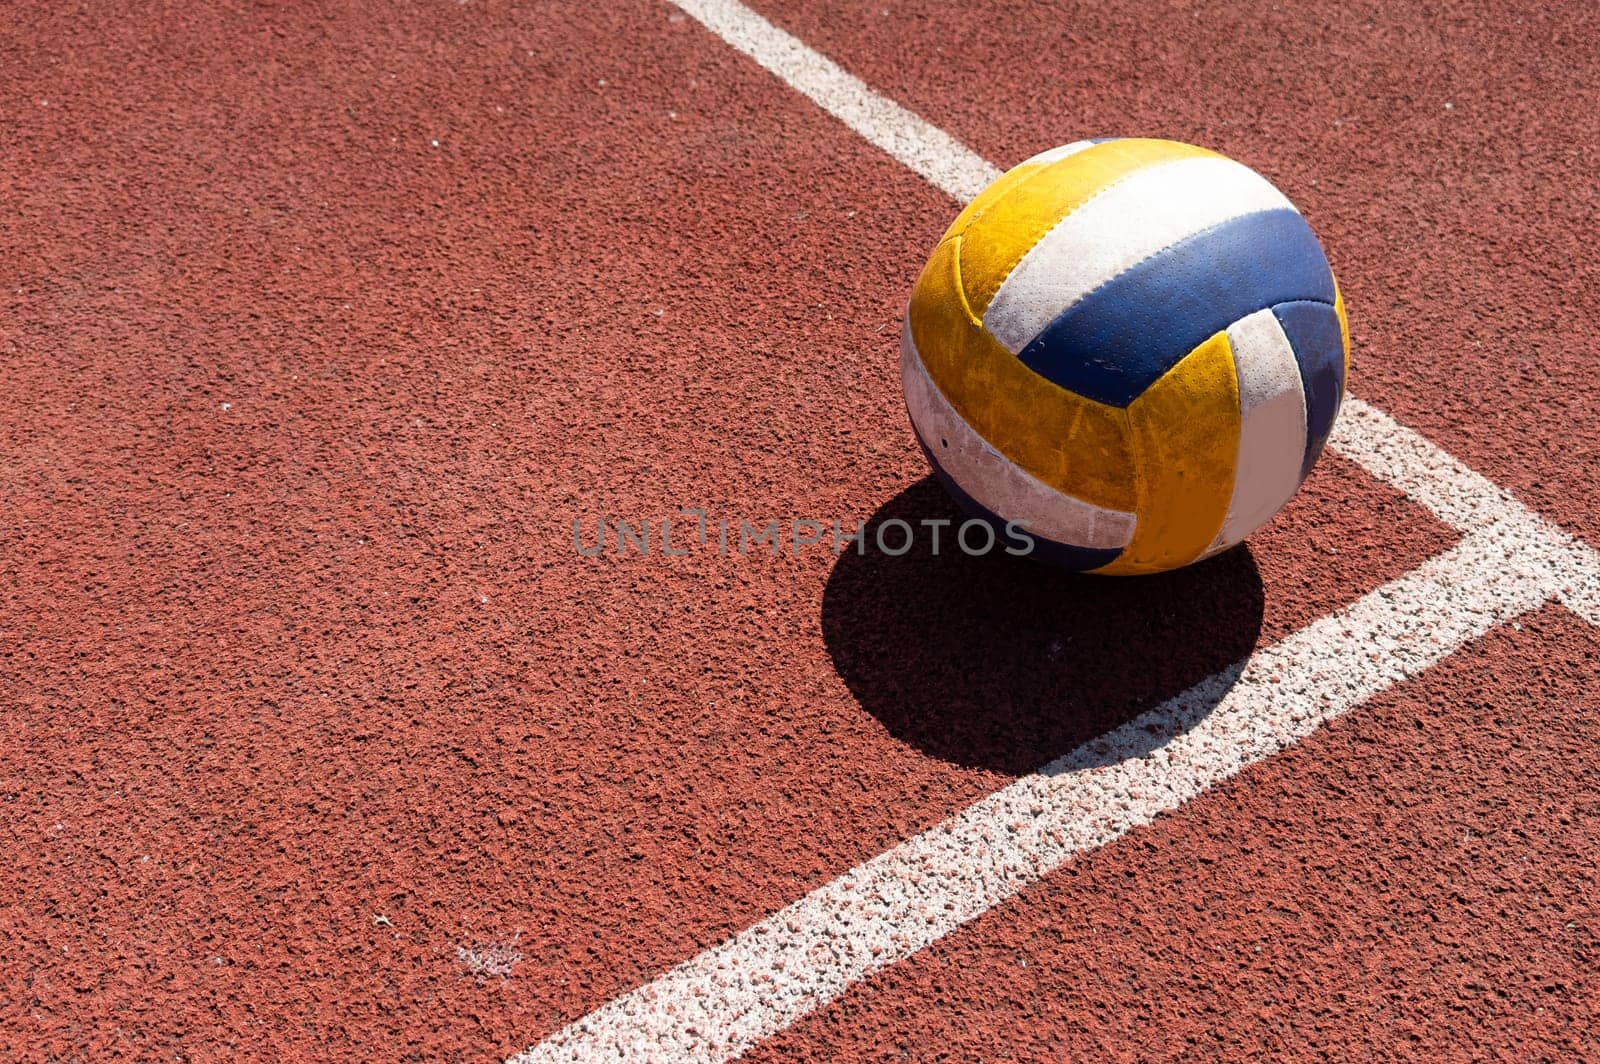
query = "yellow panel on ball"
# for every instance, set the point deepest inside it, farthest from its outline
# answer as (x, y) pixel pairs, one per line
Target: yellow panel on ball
(1185, 436)
(1009, 217)
(1344, 325)
(1073, 444)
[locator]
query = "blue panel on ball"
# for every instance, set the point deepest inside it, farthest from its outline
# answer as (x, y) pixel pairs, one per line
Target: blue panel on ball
(1061, 555)
(1119, 339)
(1313, 332)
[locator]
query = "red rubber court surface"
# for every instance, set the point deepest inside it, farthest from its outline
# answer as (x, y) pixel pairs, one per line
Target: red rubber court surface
(322, 326)
(1438, 901)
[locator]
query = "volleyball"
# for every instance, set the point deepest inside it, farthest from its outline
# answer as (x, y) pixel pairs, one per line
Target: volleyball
(1132, 349)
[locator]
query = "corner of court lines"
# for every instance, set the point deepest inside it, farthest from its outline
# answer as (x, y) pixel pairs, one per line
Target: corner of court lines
(1472, 504)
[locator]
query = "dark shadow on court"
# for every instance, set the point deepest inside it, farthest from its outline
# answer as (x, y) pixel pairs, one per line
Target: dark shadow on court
(1005, 664)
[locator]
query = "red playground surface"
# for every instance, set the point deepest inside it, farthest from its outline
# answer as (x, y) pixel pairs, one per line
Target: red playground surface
(321, 325)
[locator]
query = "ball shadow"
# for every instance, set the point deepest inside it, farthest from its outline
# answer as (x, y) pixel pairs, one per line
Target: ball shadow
(1003, 663)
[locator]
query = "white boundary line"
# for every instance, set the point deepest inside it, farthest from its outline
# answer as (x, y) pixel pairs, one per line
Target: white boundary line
(1509, 561)
(725, 1000)
(945, 162)
(1467, 501)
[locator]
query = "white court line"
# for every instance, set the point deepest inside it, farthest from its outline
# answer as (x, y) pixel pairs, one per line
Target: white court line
(1509, 561)
(929, 151)
(728, 998)
(1465, 500)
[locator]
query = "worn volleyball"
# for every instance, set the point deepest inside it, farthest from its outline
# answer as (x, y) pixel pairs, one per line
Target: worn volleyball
(1130, 350)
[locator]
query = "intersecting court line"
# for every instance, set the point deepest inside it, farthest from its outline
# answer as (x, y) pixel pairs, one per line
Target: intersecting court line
(1509, 560)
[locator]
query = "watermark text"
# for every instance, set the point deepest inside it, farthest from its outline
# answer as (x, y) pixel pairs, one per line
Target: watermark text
(694, 530)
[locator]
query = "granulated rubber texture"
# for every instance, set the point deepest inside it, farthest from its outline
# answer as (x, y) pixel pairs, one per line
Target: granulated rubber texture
(320, 328)
(1414, 882)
